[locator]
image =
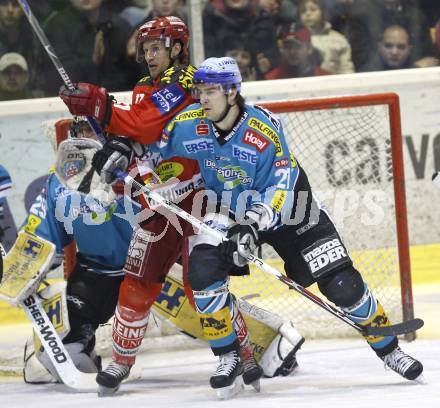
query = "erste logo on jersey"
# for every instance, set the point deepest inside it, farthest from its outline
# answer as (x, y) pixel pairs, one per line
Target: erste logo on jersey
(168, 98)
(243, 154)
(252, 138)
(268, 132)
(325, 255)
(199, 145)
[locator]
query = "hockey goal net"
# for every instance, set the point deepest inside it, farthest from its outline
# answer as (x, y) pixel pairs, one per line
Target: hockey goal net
(351, 150)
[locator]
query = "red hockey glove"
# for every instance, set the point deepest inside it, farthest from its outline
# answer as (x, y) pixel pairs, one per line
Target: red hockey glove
(88, 100)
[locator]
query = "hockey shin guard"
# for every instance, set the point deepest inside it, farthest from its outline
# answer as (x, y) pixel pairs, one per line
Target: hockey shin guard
(129, 328)
(369, 312)
(216, 310)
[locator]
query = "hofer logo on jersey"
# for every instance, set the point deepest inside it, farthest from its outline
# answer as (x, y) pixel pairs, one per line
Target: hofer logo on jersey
(254, 139)
(324, 255)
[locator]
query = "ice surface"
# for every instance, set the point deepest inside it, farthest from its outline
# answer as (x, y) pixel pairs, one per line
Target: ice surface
(332, 374)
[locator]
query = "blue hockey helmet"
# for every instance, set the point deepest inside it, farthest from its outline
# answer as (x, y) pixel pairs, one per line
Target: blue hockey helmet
(223, 71)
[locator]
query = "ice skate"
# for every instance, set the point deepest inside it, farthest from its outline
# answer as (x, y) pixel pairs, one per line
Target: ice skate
(252, 373)
(111, 378)
(403, 364)
(227, 380)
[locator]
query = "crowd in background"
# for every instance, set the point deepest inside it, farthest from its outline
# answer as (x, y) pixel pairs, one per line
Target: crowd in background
(270, 39)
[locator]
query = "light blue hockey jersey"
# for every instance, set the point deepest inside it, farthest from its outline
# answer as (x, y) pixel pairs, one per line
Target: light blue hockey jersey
(253, 164)
(102, 233)
(5, 184)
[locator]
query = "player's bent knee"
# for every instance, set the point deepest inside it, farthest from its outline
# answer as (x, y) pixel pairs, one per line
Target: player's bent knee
(206, 267)
(138, 295)
(344, 287)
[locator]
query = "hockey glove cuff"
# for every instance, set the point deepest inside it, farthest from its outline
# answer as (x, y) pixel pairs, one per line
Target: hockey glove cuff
(242, 242)
(88, 100)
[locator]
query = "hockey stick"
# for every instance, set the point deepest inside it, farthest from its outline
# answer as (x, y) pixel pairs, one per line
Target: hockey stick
(56, 61)
(392, 330)
(82, 166)
(67, 371)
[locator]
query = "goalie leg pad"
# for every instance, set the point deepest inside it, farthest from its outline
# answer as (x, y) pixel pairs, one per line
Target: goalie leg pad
(367, 311)
(280, 357)
(33, 371)
(85, 362)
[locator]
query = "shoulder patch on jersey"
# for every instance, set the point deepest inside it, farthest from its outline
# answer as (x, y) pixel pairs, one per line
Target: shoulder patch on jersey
(166, 99)
(182, 74)
(267, 131)
(254, 139)
(144, 80)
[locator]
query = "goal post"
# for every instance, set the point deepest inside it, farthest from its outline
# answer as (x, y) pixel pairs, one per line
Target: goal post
(351, 148)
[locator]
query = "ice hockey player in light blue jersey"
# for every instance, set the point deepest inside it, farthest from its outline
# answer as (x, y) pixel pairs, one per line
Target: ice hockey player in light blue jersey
(251, 161)
(245, 161)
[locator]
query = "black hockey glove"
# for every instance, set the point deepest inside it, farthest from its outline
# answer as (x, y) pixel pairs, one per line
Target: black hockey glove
(242, 242)
(116, 153)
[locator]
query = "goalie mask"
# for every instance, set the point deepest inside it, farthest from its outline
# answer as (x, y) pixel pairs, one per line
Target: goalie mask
(75, 145)
(57, 130)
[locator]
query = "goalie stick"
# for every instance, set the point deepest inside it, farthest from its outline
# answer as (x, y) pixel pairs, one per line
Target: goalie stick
(54, 347)
(25, 266)
(158, 200)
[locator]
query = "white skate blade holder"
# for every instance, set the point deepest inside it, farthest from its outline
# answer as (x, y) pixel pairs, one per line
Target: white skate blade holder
(230, 391)
(106, 391)
(257, 385)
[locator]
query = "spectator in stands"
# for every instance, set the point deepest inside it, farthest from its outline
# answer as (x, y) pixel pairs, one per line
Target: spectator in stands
(91, 41)
(282, 12)
(406, 14)
(17, 36)
(225, 21)
(359, 22)
(431, 9)
(245, 63)
(14, 77)
(394, 51)
(298, 57)
(333, 46)
(165, 8)
(42, 9)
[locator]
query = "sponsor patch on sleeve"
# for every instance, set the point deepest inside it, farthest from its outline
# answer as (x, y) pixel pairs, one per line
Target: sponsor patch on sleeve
(269, 133)
(168, 98)
(254, 139)
(325, 255)
(278, 200)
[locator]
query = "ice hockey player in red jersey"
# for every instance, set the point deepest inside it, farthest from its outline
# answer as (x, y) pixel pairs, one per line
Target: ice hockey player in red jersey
(163, 44)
